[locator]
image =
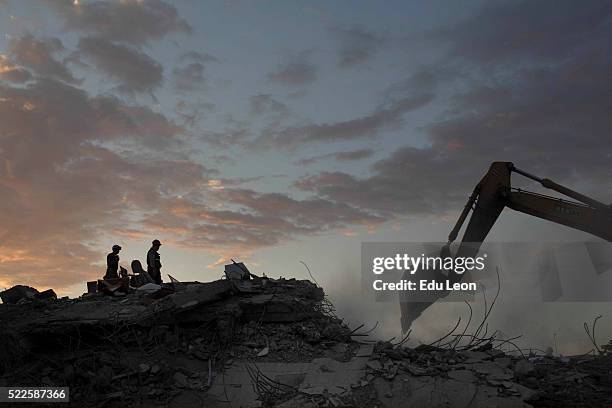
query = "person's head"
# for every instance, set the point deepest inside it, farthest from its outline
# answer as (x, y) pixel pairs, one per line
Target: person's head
(156, 243)
(116, 249)
(136, 266)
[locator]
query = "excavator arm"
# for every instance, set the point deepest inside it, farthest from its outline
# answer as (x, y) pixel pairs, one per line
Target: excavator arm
(494, 193)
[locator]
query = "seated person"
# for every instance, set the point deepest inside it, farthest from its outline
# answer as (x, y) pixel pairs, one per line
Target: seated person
(141, 277)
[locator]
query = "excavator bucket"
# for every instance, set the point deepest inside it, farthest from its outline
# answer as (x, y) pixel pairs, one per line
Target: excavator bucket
(413, 304)
(487, 202)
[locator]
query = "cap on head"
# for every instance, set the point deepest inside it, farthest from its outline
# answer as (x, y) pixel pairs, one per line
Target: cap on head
(116, 247)
(156, 242)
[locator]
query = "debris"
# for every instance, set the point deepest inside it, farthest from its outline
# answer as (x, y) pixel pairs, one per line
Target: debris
(92, 287)
(201, 293)
(374, 365)
(180, 380)
(48, 294)
(237, 271)
(299, 401)
(114, 287)
(416, 371)
(263, 342)
(365, 350)
(475, 356)
(149, 288)
(523, 368)
(462, 375)
(607, 348)
(114, 395)
(492, 370)
(19, 292)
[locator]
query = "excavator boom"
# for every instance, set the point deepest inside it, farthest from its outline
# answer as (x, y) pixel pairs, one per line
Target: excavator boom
(575, 215)
(494, 193)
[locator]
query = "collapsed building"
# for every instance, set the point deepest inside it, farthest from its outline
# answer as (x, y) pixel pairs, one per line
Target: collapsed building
(262, 342)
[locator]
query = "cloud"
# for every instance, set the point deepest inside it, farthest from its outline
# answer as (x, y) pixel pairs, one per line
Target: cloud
(39, 56)
(298, 70)
(370, 125)
(544, 106)
(247, 220)
(261, 220)
(134, 70)
(226, 138)
(76, 169)
(18, 75)
(500, 33)
(189, 77)
(200, 57)
(351, 155)
(357, 45)
(63, 184)
(313, 214)
(265, 103)
(191, 112)
(130, 21)
(11, 72)
(397, 187)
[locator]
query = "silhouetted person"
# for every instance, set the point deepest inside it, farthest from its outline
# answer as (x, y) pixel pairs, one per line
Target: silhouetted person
(112, 263)
(137, 267)
(154, 263)
(140, 276)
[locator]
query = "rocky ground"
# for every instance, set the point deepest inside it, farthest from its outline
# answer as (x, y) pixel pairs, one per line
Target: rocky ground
(266, 343)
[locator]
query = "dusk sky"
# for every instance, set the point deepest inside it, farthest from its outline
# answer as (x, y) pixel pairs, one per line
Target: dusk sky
(279, 132)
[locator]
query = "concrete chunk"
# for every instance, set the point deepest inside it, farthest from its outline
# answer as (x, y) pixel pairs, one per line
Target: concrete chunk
(16, 293)
(202, 293)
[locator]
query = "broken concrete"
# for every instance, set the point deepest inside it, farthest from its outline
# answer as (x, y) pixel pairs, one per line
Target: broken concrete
(13, 295)
(322, 375)
(262, 343)
(21, 293)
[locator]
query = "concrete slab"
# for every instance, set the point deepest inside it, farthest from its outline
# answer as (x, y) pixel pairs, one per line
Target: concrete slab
(314, 377)
(467, 376)
(365, 350)
(325, 372)
(201, 293)
(438, 392)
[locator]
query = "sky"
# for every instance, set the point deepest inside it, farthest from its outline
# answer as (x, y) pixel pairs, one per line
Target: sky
(277, 132)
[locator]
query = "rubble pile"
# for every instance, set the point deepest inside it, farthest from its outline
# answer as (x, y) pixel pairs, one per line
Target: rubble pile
(162, 344)
(24, 294)
(484, 376)
(263, 343)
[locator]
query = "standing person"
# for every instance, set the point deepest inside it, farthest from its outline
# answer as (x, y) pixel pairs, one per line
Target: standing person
(112, 263)
(154, 263)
